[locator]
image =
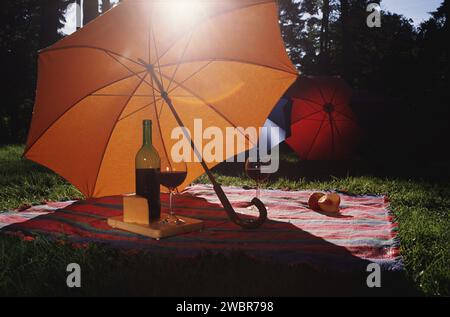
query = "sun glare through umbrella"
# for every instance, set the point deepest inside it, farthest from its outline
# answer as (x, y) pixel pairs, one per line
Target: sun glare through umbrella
(184, 11)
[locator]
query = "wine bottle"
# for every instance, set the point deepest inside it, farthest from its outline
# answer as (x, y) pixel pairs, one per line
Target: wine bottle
(148, 165)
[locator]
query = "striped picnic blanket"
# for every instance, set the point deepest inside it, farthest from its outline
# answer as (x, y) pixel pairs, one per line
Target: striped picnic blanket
(362, 232)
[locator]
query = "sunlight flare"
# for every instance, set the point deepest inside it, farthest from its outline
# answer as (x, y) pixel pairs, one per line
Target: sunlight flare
(184, 11)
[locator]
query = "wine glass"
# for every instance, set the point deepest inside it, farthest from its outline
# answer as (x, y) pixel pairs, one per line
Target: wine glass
(256, 169)
(171, 176)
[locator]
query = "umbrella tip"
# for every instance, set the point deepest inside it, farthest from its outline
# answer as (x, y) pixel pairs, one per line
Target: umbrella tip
(328, 107)
(149, 67)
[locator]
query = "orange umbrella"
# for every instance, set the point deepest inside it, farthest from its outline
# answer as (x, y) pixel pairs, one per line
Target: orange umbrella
(221, 61)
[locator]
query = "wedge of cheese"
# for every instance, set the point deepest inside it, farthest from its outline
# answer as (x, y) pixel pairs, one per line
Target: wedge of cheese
(135, 210)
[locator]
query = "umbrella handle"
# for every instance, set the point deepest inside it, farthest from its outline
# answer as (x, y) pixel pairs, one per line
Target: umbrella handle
(234, 217)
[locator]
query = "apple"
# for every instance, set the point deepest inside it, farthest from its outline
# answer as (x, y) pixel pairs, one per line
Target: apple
(329, 202)
(313, 201)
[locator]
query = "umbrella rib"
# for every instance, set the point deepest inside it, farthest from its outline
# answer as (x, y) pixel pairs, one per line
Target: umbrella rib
(89, 47)
(180, 95)
(160, 133)
(179, 61)
(317, 120)
(320, 90)
(343, 114)
(154, 98)
(136, 111)
(316, 136)
(213, 108)
(310, 115)
(157, 57)
(342, 105)
(149, 37)
(110, 54)
(112, 131)
(74, 104)
(330, 118)
(118, 95)
(334, 95)
(191, 76)
(337, 130)
(157, 119)
(232, 60)
(309, 100)
(130, 70)
(160, 109)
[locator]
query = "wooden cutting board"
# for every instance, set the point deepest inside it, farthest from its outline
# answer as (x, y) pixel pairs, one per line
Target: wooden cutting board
(158, 229)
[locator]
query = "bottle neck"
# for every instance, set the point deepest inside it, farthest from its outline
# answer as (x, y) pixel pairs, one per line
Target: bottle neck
(147, 134)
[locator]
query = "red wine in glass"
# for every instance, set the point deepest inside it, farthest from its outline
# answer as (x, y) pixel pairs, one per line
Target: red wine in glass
(172, 175)
(172, 180)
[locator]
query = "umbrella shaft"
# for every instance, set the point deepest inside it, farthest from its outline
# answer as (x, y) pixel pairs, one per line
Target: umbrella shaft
(167, 99)
(249, 224)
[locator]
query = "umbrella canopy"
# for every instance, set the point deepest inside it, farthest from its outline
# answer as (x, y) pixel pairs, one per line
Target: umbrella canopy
(323, 124)
(279, 118)
(221, 61)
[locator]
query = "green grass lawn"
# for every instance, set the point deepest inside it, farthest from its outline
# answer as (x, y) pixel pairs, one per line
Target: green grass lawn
(38, 267)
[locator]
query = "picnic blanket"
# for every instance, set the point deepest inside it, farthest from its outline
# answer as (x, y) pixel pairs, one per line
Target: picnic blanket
(362, 232)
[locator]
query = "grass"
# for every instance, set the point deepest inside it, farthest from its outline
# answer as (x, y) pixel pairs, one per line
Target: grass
(22, 182)
(38, 267)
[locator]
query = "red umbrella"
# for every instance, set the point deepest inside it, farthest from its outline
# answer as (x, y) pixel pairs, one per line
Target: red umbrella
(323, 125)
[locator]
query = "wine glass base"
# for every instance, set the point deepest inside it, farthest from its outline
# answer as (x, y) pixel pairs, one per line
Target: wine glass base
(173, 220)
(253, 208)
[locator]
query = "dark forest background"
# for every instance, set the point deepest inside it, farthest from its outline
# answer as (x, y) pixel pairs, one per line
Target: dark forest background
(400, 72)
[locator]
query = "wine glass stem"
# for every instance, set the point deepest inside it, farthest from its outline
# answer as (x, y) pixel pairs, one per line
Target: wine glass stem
(258, 191)
(171, 203)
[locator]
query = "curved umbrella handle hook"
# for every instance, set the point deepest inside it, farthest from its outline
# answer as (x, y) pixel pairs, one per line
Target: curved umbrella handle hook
(247, 223)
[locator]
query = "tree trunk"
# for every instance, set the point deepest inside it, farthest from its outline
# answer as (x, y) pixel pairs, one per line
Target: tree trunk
(347, 43)
(90, 11)
(324, 38)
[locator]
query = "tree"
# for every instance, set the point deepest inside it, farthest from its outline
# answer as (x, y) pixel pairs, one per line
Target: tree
(347, 45)
(433, 55)
(19, 34)
(25, 27)
(300, 30)
(330, 15)
(431, 79)
(324, 36)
